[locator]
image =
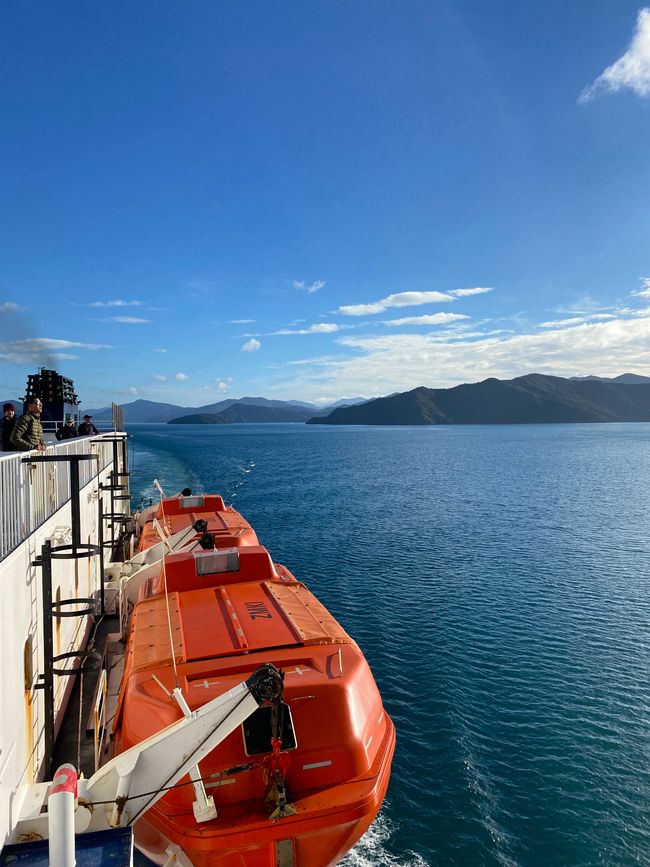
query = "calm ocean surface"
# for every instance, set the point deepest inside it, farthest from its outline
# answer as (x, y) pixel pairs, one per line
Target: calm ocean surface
(497, 580)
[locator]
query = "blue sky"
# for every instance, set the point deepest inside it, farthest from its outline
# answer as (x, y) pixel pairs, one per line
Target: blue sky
(314, 200)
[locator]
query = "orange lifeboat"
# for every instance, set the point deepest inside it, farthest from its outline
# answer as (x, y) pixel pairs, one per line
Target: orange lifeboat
(303, 778)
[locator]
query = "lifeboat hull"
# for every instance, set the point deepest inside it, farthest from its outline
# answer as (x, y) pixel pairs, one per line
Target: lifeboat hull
(318, 837)
(203, 624)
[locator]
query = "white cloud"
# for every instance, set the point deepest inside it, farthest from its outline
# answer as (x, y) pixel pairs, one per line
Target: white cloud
(181, 377)
(576, 320)
(35, 358)
(117, 303)
(44, 344)
(251, 345)
(432, 319)
(159, 350)
(222, 387)
(409, 299)
(644, 291)
(398, 362)
(319, 328)
(131, 390)
(241, 321)
(128, 320)
(584, 305)
(10, 307)
(160, 377)
(309, 288)
(465, 293)
(632, 70)
(42, 350)
(399, 299)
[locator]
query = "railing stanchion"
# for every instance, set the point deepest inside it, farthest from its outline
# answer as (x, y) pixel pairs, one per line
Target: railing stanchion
(45, 562)
(102, 574)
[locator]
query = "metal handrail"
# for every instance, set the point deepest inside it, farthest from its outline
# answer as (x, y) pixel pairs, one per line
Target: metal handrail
(30, 493)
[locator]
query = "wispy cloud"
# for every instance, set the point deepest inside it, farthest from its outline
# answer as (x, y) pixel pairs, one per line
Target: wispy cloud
(37, 358)
(475, 290)
(10, 307)
(632, 70)
(432, 319)
(128, 320)
(241, 321)
(222, 387)
(576, 320)
(159, 350)
(644, 291)
(53, 343)
(160, 377)
(410, 299)
(131, 390)
(309, 288)
(181, 377)
(584, 305)
(251, 345)
(200, 287)
(318, 328)
(117, 303)
(40, 350)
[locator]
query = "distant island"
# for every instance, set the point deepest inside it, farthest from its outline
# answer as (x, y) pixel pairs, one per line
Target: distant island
(199, 418)
(246, 413)
(532, 399)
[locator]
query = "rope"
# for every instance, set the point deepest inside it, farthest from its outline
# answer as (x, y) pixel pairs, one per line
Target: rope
(169, 617)
(81, 704)
(228, 772)
(169, 623)
(208, 735)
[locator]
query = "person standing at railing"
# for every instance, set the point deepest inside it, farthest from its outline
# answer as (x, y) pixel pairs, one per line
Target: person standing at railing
(8, 424)
(87, 428)
(68, 431)
(28, 432)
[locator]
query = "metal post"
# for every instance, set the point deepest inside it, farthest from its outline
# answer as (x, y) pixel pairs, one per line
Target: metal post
(102, 574)
(48, 653)
(125, 466)
(116, 466)
(112, 478)
(74, 504)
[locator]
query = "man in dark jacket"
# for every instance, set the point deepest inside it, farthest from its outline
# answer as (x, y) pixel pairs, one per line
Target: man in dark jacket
(8, 424)
(87, 428)
(28, 433)
(68, 431)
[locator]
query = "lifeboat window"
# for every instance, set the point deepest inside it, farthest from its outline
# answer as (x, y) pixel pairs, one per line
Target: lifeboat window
(213, 562)
(257, 731)
(191, 502)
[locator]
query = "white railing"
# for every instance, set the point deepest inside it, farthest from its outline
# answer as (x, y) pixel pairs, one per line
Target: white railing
(31, 493)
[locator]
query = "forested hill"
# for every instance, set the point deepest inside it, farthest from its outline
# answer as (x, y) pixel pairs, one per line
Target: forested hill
(532, 399)
(238, 413)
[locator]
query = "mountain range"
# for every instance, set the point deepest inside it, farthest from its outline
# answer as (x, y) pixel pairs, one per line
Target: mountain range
(530, 399)
(533, 398)
(245, 409)
(248, 413)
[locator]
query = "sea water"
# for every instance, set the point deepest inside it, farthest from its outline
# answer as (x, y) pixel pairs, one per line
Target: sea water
(496, 578)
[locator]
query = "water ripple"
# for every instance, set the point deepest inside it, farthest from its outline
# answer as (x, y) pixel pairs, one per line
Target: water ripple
(496, 578)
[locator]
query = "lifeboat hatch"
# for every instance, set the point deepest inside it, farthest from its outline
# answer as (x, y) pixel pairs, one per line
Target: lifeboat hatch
(215, 562)
(257, 731)
(284, 853)
(191, 502)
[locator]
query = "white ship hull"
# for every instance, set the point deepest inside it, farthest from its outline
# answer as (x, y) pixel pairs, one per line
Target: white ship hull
(36, 508)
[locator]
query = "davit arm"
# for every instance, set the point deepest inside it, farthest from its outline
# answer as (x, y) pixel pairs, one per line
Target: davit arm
(132, 782)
